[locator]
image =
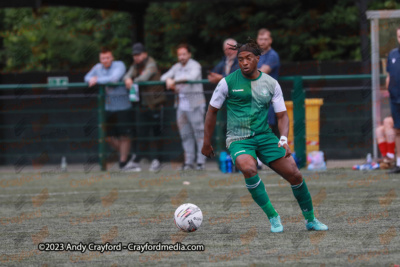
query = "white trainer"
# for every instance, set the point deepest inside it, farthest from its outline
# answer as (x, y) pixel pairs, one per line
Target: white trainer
(131, 166)
(155, 165)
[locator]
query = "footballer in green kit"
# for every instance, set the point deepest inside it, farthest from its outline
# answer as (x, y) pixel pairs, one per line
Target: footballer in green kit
(248, 93)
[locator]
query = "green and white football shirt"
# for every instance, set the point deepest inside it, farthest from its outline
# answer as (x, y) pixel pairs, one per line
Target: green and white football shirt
(247, 104)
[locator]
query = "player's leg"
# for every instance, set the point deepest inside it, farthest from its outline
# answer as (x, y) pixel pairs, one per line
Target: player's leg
(157, 118)
(111, 133)
(113, 141)
(383, 147)
(187, 136)
(125, 131)
(142, 131)
(273, 156)
(395, 109)
(390, 136)
(286, 167)
(196, 120)
(245, 160)
(381, 140)
(124, 148)
(397, 141)
(111, 136)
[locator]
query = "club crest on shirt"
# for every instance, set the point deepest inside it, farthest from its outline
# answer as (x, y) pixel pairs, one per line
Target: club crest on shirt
(393, 60)
(265, 92)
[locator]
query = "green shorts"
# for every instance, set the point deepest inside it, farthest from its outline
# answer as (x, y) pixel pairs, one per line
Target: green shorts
(264, 146)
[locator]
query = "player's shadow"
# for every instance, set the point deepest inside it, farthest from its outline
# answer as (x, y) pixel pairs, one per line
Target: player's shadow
(297, 239)
(368, 202)
(160, 201)
(228, 202)
(20, 239)
(368, 239)
(226, 230)
(90, 201)
(21, 201)
(92, 237)
(160, 239)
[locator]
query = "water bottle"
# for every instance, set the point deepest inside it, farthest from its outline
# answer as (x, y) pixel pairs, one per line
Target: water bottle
(228, 164)
(63, 164)
(366, 167)
(369, 158)
(356, 167)
(134, 93)
(222, 161)
(375, 165)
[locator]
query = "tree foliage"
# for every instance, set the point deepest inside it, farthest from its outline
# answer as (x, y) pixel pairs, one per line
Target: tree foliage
(301, 30)
(62, 38)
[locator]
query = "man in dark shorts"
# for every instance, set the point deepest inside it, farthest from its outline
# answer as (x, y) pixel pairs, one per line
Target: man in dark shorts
(118, 107)
(248, 93)
(151, 119)
(393, 85)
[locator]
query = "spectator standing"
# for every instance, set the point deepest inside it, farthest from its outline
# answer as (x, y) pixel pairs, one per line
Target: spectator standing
(269, 63)
(144, 68)
(190, 105)
(117, 106)
(393, 85)
(227, 65)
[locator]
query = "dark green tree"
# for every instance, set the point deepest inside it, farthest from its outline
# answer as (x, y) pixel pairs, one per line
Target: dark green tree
(305, 31)
(62, 38)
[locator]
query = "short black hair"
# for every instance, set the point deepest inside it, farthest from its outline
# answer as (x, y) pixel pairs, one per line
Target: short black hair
(264, 31)
(184, 45)
(250, 46)
(105, 49)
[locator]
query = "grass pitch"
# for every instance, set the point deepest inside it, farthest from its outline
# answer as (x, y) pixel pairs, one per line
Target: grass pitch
(362, 210)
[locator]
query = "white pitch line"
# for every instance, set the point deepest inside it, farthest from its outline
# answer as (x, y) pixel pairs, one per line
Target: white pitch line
(73, 193)
(233, 185)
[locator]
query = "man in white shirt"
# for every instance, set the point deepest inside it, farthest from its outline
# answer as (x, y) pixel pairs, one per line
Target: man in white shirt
(190, 105)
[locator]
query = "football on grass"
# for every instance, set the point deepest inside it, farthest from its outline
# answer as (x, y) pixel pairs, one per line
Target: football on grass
(188, 217)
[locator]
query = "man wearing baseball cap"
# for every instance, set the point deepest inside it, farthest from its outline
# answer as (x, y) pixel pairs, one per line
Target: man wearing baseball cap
(144, 68)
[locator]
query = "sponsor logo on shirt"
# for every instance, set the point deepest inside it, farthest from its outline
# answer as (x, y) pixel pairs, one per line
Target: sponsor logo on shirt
(393, 60)
(237, 90)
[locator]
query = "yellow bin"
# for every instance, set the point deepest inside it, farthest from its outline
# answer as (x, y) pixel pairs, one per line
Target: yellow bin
(289, 107)
(312, 123)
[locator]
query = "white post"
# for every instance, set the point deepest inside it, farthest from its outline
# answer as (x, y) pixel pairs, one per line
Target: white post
(375, 83)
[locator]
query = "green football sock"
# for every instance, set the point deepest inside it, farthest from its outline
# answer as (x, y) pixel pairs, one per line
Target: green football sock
(257, 190)
(303, 197)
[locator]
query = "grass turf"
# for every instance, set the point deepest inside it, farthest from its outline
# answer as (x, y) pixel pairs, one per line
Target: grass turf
(362, 210)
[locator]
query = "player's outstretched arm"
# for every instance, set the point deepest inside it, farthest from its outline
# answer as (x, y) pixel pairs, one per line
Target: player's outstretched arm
(283, 126)
(209, 126)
